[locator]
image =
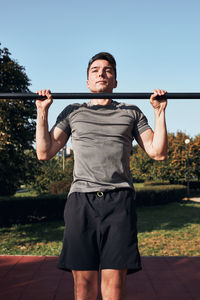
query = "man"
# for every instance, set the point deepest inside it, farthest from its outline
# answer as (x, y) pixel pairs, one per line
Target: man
(100, 216)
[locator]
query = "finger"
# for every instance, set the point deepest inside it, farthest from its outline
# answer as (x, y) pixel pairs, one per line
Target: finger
(155, 91)
(44, 92)
(48, 93)
(40, 92)
(154, 95)
(159, 92)
(162, 92)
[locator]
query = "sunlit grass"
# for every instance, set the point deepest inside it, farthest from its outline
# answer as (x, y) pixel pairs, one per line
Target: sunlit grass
(32, 239)
(26, 193)
(169, 230)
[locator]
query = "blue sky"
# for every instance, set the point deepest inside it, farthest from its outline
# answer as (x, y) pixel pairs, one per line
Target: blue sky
(155, 42)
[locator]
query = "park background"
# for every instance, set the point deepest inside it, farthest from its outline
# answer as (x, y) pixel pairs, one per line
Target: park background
(156, 45)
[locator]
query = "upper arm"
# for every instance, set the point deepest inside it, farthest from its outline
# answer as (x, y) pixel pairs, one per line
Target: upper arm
(145, 140)
(58, 140)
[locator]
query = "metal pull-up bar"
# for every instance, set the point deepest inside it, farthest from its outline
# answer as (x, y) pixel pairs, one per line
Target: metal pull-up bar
(25, 96)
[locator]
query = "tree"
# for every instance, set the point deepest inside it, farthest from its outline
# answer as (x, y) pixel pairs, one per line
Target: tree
(140, 165)
(17, 125)
(194, 156)
(63, 186)
(51, 177)
(177, 156)
(173, 169)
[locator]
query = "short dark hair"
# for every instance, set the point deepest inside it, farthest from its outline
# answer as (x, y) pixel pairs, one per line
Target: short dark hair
(106, 56)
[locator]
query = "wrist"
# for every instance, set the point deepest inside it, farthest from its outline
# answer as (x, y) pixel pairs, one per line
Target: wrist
(42, 113)
(159, 112)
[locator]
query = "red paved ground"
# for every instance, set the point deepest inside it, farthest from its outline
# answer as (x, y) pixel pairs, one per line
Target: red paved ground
(37, 278)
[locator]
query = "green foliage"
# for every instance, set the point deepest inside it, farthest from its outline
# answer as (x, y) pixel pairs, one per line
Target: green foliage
(17, 126)
(177, 156)
(194, 153)
(51, 177)
(157, 195)
(24, 210)
(140, 165)
(48, 172)
(173, 169)
(60, 187)
(63, 186)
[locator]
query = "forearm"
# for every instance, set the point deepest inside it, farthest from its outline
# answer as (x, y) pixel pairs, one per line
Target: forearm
(43, 138)
(159, 142)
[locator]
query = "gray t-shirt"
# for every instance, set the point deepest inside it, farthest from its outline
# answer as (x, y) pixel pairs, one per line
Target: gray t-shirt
(102, 139)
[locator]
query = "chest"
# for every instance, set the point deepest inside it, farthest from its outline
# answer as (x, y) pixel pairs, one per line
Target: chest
(101, 123)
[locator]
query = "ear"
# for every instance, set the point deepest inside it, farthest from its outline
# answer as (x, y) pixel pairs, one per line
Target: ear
(88, 85)
(115, 84)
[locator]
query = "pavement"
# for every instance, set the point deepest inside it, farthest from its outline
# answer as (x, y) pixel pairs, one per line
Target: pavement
(37, 278)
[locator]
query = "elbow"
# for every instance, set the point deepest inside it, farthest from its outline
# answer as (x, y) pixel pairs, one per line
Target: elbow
(160, 156)
(42, 156)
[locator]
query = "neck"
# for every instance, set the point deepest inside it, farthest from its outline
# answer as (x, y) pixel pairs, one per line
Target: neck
(100, 101)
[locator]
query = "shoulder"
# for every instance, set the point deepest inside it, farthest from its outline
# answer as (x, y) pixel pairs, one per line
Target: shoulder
(66, 112)
(130, 108)
(70, 108)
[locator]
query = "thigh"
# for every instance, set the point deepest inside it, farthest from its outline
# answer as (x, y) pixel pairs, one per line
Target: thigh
(119, 249)
(80, 247)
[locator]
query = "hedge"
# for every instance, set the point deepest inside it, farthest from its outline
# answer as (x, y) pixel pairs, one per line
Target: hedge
(23, 210)
(160, 195)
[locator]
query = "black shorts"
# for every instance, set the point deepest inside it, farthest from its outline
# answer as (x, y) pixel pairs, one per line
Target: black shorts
(100, 232)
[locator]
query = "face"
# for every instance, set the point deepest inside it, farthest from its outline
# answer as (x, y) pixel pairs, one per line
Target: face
(101, 77)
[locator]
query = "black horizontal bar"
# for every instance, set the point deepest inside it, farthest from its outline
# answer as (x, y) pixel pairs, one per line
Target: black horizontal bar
(25, 96)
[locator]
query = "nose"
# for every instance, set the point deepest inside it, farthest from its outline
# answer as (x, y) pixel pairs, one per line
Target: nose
(101, 72)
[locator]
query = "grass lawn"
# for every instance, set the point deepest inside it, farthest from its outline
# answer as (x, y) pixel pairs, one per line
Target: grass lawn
(168, 230)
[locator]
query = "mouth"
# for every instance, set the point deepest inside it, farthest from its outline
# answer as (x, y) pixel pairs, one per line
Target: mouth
(102, 81)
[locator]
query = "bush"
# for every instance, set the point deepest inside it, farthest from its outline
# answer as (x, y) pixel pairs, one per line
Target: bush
(24, 210)
(159, 195)
(7, 188)
(60, 187)
(195, 185)
(51, 172)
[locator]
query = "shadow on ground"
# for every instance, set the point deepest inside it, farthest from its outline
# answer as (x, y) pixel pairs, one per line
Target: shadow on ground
(168, 217)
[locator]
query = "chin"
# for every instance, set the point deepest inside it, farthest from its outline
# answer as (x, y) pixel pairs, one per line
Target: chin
(103, 90)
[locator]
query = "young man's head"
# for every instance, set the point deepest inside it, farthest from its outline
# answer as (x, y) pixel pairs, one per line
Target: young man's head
(105, 56)
(101, 73)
